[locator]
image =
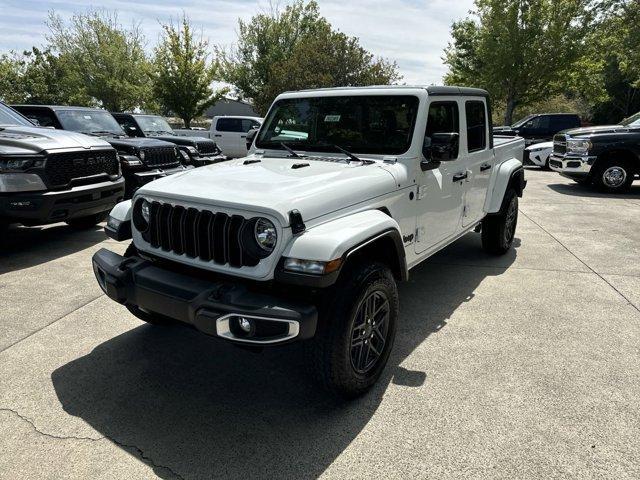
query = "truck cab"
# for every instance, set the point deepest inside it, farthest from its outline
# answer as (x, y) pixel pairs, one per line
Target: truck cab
(49, 176)
(196, 151)
(142, 159)
(540, 127)
(343, 192)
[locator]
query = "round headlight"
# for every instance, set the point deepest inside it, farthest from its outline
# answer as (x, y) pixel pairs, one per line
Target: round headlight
(141, 154)
(141, 215)
(265, 234)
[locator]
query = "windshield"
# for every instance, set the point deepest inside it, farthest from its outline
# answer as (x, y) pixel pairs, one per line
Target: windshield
(632, 121)
(9, 116)
(372, 124)
(522, 121)
(90, 121)
(153, 124)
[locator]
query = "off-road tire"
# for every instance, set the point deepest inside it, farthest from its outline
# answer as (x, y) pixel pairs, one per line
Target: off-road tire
(90, 221)
(148, 317)
(498, 231)
(546, 166)
(330, 352)
(613, 176)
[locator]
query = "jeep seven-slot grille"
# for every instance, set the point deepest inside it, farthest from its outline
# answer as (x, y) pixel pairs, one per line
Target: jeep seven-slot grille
(209, 236)
(160, 157)
(560, 144)
(61, 168)
(206, 148)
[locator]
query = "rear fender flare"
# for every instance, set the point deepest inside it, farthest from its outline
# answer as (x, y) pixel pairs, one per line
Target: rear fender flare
(509, 174)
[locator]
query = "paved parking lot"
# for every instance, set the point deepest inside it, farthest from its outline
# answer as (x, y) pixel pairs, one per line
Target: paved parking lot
(524, 366)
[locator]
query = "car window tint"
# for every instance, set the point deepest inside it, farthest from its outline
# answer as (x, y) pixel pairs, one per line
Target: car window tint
(443, 117)
(44, 119)
(476, 125)
(230, 125)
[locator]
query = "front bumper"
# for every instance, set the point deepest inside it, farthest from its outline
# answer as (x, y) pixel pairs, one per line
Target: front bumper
(572, 165)
(39, 208)
(211, 306)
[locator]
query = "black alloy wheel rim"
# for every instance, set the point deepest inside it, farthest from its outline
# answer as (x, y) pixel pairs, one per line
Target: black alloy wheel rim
(510, 222)
(369, 331)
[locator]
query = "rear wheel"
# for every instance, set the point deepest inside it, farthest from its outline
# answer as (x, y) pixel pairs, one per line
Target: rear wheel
(498, 231)
(356, 330)
(145, 315)
(90, 221)
(614, 175)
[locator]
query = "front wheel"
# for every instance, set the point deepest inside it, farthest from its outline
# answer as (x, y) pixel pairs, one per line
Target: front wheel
(356, 330)
(90, 221)
(498, 231)
(614, 176)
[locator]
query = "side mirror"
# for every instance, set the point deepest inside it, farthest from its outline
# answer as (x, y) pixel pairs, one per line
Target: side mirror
(444, 146)
(251, 135)
(428, 163)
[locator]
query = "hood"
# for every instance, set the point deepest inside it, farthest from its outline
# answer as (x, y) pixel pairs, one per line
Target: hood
(26, 140)
(126, 143)
(189, 141)
(574, 132)
(273, 186)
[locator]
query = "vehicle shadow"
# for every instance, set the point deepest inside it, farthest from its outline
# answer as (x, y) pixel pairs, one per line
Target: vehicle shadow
(24, 247)
(193, 407)
(575, 189)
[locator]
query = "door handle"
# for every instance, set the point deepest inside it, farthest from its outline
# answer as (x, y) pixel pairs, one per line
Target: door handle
(484, 167)
(460, 176)
(243, 136)
(217, 135)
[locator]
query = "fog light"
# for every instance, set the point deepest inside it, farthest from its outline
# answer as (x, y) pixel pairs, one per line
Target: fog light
(245, 324)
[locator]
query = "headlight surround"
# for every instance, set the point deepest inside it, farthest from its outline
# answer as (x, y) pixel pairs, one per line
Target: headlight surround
(578, 146)
(141, 154)
(265, 234)
(20, 163)
(141, 214)
(311, 267)
(192, 150)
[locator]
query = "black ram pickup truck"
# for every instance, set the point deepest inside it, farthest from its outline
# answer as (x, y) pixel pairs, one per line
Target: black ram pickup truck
(49, 176)
(142, 159)
(196, 151)
(606, 156)
(540, 127)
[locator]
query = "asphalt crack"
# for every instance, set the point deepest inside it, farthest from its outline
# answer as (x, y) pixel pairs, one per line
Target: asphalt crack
(137, 451)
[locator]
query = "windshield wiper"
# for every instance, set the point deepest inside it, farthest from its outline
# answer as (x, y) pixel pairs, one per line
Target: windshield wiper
(290, 150)
(102, 132)
(348, 154)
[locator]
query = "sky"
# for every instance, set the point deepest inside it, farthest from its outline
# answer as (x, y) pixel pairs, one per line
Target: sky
(412, 33)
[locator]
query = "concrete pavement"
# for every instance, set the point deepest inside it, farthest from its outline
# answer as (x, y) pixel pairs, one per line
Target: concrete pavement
(523, 366)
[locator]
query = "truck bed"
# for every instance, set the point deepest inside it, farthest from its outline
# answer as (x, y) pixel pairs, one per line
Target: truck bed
(505, 148)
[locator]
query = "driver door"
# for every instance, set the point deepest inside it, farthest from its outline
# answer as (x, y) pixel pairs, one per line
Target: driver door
(440, 192)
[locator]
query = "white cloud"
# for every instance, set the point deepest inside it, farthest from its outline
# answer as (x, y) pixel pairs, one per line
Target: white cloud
(411, 32)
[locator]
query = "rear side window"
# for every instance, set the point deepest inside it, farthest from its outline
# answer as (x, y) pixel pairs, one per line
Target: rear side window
(230, 125)
(476, 126)
(564, 122)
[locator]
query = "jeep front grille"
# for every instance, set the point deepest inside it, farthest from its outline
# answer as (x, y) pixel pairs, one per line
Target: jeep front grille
(160, 157)
(208, 236)
(207, 147)
(560, 144)
(62, 168)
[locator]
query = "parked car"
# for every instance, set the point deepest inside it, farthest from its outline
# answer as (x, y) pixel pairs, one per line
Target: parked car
(229, 133)
(196, 151)
(49, 176)
(285, 246)
(540, 127)
(538, 154)
(142, 159)
(606, 156)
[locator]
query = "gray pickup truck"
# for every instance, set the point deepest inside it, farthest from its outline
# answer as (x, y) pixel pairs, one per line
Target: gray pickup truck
(49, 176)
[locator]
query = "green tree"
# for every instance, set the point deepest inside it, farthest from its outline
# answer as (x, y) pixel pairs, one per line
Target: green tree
(520, 50)
(296, 48)
(183, 74)
(12, 68)
(52, 79)
(108, 60)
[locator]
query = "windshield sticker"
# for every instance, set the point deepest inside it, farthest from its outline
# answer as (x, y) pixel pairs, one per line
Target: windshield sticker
(87, 117)
(332, 118)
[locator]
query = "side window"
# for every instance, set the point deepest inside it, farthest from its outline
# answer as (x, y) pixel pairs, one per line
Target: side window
(129, 126)
(229, 125)
(43, 119)
(248, 125)
(476, 126)
(443, 120)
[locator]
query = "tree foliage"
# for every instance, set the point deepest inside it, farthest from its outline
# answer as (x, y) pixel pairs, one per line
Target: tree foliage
(520, 50)
(182, 73)
(12, 68)
(107, 60)
(297, 48)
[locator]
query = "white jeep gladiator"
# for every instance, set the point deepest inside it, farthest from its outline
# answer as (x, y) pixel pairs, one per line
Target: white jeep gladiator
(344, 191)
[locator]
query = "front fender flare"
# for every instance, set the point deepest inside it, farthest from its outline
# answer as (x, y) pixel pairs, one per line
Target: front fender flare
(119, 223)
